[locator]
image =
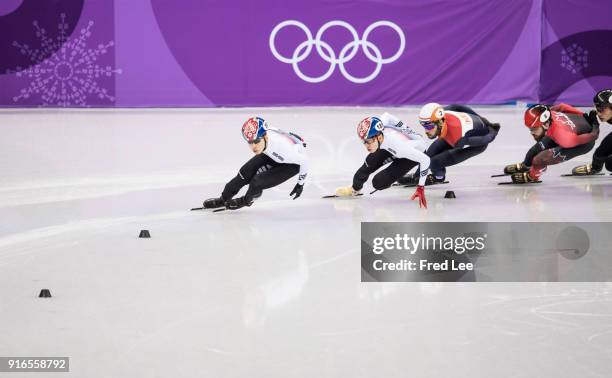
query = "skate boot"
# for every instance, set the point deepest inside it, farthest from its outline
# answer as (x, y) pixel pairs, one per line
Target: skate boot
(433, 180)
(523, 178)
(408, 180)
(585, 170)
(515, 168)
(237, 203)
(213, 203)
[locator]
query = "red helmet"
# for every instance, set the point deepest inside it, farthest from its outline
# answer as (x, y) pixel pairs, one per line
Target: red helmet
(537, 115)
(369, 128)
(254, 129)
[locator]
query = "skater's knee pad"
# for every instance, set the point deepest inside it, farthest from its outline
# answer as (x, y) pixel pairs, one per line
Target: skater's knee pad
(609, 164)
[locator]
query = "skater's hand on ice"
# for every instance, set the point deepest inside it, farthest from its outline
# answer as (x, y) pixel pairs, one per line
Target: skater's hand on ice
(346, 191)
(420, 194)
(297, 190)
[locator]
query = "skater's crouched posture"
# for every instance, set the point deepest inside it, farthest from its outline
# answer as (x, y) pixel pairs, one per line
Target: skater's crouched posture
(460, 134)
(559, 136)
(278, 156)
(603, 154)
(388, 141)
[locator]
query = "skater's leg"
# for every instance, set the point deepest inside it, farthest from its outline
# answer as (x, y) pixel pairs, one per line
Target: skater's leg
(372, 163)
(455, 156)
(603, 153)
(556, 155)
(270, 178)
(570, 153)
(461, 108)
(245, 174)
(437, 148)
(386, 177)
(467, 109)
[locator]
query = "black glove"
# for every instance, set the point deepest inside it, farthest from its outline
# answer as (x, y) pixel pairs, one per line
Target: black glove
(297, 190)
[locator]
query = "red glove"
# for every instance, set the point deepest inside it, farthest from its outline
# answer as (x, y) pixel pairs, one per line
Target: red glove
(420, 193)
(534, 174)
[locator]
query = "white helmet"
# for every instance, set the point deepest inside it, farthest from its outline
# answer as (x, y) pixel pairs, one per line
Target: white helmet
(430, 113)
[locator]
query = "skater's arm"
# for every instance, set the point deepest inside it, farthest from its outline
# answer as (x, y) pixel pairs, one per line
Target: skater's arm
(390, 120)
(565, 108)
(302, 161)
(362, 175)
(408, 151)
(542, 145)
(372, 162)
(287, 151)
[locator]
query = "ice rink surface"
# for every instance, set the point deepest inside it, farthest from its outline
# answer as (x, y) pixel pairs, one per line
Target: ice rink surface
(272, 290)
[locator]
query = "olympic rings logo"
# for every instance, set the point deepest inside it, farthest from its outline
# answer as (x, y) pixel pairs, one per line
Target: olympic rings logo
(348, 52)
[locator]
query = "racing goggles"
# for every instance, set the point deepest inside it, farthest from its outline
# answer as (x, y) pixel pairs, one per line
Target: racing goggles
(428, 125)
(602, 107)
(255, 141)
(369, 141)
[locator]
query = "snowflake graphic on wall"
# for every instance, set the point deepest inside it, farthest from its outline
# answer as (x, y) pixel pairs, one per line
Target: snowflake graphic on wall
(70, 73)
(575, 58)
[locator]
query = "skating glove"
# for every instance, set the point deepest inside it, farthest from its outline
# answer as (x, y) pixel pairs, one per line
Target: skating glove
(297, 190)
(420, 194)
(346, 191)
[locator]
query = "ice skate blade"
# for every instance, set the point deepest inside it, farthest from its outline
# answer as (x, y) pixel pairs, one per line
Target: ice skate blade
(337, 196)
(573, 175)
(516, 183)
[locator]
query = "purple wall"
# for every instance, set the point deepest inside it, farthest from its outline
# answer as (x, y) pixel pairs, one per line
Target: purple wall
(316, 52)
(576, 50)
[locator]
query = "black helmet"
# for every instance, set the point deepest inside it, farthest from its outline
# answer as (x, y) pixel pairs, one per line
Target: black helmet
(603, 97)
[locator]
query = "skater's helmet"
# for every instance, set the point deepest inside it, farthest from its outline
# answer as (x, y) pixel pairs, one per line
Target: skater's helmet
(369, 128)
(430, 115)
(254, 129)
(603, 98)
(537, 115)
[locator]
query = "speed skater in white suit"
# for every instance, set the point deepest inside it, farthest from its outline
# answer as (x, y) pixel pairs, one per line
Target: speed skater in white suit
(389, 141)
(279, 155)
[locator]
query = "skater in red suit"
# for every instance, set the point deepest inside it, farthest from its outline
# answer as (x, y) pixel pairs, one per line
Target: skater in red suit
(560, 135)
